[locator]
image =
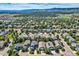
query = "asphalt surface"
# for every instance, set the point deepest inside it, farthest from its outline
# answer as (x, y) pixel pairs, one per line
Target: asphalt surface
(68, 50)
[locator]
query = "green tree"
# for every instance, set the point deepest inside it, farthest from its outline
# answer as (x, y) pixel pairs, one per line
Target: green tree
(47, 51)
(31, 52)
(38, 51)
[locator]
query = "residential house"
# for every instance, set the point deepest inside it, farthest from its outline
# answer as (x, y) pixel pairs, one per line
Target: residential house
(72, 41)
(27, 43)
(2, 44)
(18, 46)
(41, 45)
(34, 45)
(77, 47)
(49, 45)
(56, 43)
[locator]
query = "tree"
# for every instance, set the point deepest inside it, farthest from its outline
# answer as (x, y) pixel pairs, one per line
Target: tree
(1, 22)
(47, 51)
(24, 49)
(63, 49)
(9, 52)
(5, 44)
(57, 50)
(31, 52)
(8, 40)
(21, 40)
(38, 51)
(15, 53)
(49, 39)
(77, 53)
(68, 43)
(73, 48)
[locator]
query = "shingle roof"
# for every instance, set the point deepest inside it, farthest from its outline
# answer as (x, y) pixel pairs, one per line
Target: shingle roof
(27, 42)
(2, 33)
(70, 38)
(1, 43)
(49, 44)
(41, 44)
(34, 43)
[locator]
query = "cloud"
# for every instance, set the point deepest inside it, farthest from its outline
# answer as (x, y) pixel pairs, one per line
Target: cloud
(21, 6)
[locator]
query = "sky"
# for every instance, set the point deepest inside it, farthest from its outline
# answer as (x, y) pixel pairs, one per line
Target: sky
(23, 6)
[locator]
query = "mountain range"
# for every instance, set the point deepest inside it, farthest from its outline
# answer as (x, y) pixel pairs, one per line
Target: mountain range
(42, 10)
(38, 7)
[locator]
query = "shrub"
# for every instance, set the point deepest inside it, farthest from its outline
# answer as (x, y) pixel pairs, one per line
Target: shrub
(57, 50)
(23, 49)
(38, 51)
(77, 53)
(73, 48)
(31, 52)
(47, 51)
(9, 52)
(63, 49)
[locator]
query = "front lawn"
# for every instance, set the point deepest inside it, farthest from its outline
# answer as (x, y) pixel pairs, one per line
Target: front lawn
(9, 35)
(1, 37)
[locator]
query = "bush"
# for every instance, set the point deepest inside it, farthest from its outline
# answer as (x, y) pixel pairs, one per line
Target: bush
(73, 48)
(9, 52)
(63, 49)
(38, 51)
(15, 54)
(65, 39)
(21, 40)
(68, 43)
(57, 50)
(47, 51)
(6, 44)
(77, 53)
(31, 52)
(23, 49)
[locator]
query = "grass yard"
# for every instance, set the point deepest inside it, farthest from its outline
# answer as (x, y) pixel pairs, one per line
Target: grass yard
(77, 41)
(77, 38)
(9, 35)
(1, 37)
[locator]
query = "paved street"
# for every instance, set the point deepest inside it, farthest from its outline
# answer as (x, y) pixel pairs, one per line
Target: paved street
(4, 52)
(68, 51)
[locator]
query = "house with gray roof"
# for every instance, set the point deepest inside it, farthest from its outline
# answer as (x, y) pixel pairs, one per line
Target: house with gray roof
(27, 43)
(34, 44)
(3, 32)
(18, 46)
(77, 47)
(24, 35)
(2, 44)
(56, 43)
(71, 39)
(73, 44)
(49, 44)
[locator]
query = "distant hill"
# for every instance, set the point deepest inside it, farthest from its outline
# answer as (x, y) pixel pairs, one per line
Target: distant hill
(42, 10)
